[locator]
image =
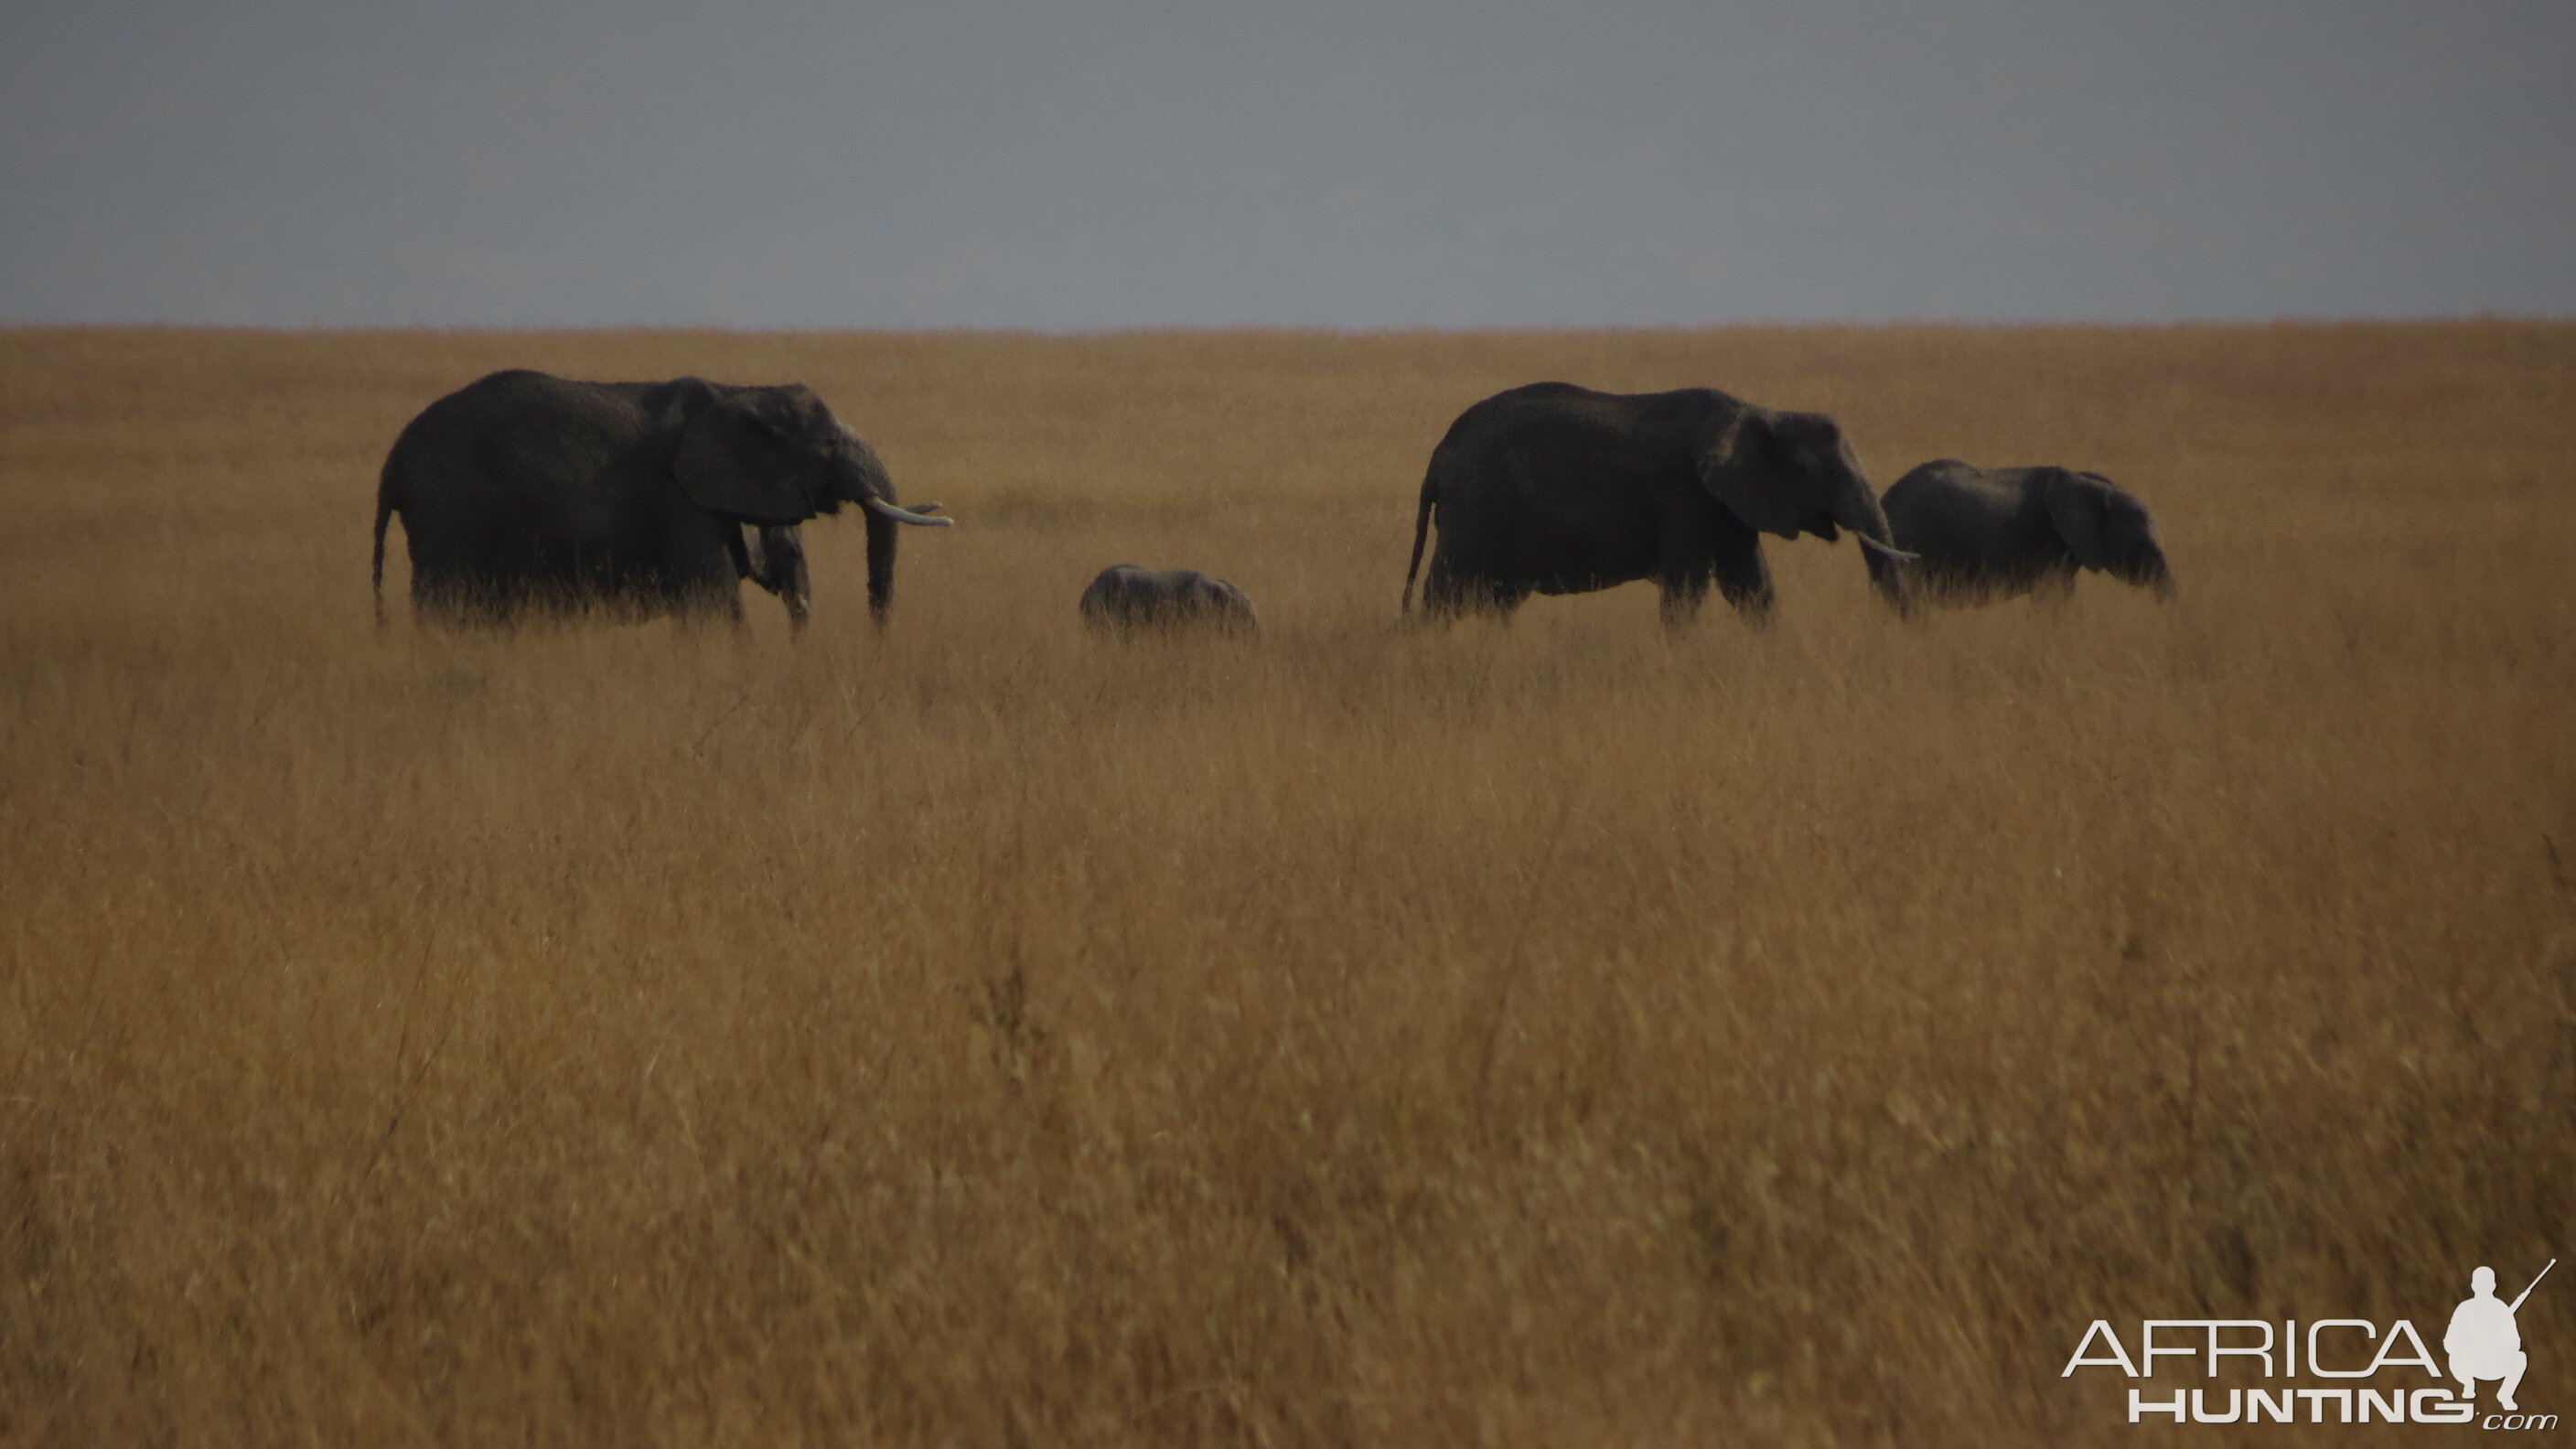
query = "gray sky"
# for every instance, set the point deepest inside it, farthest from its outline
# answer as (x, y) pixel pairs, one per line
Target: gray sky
(1306, 162)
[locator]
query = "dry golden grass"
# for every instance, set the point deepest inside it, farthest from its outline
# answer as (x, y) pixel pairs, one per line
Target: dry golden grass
(1550, 1034)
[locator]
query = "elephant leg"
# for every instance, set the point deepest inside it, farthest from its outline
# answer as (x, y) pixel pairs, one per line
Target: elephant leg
(691, 609)
(1497, 599)
(1440, 598)
(463, 602)
(1446, 593)
(697, 572)
(700, 600)
(1684, 581)
(1743, 576)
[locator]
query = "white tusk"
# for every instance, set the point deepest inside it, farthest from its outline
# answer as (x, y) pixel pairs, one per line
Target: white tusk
(884, 509)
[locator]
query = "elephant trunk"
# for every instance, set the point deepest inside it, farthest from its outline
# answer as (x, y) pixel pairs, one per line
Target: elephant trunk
(864, 481)
(2140, 560)
(1891, 572)
(1891, 569)
(2158, 576)
(884, 521)
(882, 533)
(1856, 508)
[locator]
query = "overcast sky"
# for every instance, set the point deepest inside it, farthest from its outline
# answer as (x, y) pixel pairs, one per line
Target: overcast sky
(1383, 163)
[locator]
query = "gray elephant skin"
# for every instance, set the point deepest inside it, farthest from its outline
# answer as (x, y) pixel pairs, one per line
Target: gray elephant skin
(1124, 598)
(1557, 489)
(524, 491)
(1979, 534)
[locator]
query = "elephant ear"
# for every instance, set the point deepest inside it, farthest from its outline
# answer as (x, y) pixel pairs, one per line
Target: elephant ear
(1739, 463)
(731, 461)
(672, 404)
(2075, 508)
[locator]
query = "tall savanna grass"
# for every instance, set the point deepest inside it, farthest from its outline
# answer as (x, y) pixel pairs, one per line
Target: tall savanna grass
(976, 1033)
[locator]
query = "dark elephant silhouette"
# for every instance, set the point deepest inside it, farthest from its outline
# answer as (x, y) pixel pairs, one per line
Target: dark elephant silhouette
(526, 491)
(1989, 533)
(1556, 489)
(1124, 598)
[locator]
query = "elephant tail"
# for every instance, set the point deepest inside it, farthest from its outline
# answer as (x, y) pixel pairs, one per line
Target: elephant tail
(1421, 525)
(384, 511)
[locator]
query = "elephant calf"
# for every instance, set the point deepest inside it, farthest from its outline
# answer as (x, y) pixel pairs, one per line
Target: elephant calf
(1124, 598)
(1979, 534)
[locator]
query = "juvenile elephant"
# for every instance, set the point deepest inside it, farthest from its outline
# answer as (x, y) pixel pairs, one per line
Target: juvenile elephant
(1557, 489)
(524, 490)
(1990, 533)
(1124, 597)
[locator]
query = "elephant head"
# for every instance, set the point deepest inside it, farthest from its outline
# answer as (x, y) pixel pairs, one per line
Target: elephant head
(775, 456)
(1224, 603)
(2106, 529)
(1790, 473)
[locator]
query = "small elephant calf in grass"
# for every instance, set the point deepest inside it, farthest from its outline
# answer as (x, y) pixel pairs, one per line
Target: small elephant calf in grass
(1990, 533)
(1126, 598)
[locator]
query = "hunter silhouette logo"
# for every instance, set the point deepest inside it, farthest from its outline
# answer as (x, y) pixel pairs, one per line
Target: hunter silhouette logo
(2483, 1342)
(2366, 1375)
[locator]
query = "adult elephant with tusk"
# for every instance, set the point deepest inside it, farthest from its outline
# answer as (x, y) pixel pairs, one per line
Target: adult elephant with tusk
(528, 491)
(1557, 489)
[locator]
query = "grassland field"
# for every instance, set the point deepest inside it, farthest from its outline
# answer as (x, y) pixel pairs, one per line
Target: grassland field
(1556, 1034)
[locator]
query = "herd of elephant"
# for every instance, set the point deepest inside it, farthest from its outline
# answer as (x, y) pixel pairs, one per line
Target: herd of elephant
(524, 491)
